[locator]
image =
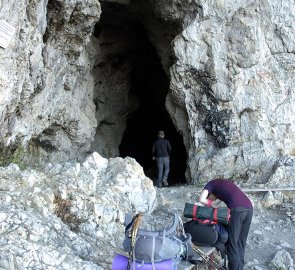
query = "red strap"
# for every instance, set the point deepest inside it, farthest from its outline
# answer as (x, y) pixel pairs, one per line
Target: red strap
(209, 202)
(205, 221)
(194, 211)
(215, 214)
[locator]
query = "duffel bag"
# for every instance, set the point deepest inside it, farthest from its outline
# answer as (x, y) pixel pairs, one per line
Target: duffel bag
(207, 235)
(209, 214)
(202, 234)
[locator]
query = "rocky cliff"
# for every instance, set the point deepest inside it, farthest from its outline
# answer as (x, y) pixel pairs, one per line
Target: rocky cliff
(86, 85)
(75, 72)
(233, 81)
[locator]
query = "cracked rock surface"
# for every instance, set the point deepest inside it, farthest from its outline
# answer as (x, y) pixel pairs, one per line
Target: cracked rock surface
(70, 215)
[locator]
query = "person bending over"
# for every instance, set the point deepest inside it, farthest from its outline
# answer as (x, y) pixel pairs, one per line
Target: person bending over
(241, 216)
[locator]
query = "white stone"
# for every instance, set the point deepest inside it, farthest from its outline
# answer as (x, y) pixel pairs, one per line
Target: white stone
(282, 259)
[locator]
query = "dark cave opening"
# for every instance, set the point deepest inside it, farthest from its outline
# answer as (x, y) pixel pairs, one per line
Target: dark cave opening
(149, 84)
(141, 132)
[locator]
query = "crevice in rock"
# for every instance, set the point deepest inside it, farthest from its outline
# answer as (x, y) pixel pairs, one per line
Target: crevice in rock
(53, 9)
(129, 69)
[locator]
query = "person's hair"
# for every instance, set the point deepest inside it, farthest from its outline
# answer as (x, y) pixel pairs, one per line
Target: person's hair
(161, 133)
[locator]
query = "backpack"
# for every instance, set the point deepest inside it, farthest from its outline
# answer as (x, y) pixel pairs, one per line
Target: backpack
(155, 246)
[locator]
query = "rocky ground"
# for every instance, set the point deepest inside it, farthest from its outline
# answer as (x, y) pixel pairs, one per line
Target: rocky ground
(70, 216)
(271, 239)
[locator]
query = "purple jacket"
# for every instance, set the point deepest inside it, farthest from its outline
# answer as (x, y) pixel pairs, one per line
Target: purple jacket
(229, 193)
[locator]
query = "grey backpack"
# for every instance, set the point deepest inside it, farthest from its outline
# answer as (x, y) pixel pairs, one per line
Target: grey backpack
(156, 246)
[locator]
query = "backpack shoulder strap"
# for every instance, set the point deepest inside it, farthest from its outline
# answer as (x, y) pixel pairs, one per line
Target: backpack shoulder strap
(172, 229)
(135, 225)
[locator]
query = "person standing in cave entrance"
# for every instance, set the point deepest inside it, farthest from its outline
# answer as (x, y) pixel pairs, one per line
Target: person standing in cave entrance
(161, 153)
(241, 210)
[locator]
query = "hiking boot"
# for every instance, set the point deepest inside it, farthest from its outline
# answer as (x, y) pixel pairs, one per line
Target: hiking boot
(158, 185)
(165, 183)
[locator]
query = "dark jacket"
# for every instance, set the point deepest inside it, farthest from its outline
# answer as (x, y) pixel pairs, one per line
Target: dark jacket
(161, 148)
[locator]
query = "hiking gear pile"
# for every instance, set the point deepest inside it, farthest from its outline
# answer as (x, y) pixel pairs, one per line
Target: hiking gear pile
(156, 250)
(206, 226)
(205, 214)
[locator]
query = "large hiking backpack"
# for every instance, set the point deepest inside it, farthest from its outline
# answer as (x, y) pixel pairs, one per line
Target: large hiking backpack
(155, 246)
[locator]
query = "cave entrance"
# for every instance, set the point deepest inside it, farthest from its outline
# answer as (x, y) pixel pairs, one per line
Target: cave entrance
(141, 132)
(148, 85)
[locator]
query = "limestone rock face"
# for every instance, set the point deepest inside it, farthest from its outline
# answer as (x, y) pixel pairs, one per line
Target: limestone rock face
(46, 86)
(65, 87)
(232, 90)
(70, 216)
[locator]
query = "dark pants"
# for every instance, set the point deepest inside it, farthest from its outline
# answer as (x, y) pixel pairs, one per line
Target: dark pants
(163, 166)
(237, 236)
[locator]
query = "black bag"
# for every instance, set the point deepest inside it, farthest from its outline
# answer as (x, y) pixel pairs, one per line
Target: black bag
(202, 234)
(207, 235)
(222, 234)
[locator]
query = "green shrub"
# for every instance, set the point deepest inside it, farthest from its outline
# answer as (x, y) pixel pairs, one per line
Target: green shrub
(12, 154)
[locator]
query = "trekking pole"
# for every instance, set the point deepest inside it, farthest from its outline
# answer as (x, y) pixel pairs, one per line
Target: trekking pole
(134, 229)
(211, 262)
(206, 258)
